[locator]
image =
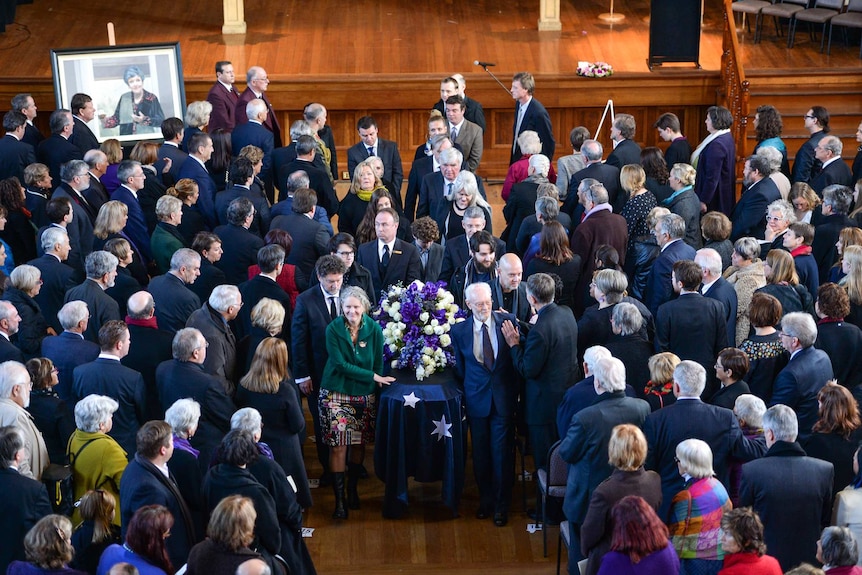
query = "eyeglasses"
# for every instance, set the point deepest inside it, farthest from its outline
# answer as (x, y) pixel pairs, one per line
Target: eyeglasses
(349, 254)
(809, 117)
(676, 459)
(774, 218)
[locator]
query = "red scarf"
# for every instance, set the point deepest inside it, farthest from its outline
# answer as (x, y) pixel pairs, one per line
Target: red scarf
(150, 323)
(802, 250)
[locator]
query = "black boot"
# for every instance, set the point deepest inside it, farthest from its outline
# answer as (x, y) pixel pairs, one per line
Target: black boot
(338, 487)
(353, 473)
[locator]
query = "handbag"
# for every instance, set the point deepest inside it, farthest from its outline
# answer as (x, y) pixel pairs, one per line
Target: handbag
(59, 481)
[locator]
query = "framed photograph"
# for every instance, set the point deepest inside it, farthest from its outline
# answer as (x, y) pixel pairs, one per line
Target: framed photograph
(134, 88)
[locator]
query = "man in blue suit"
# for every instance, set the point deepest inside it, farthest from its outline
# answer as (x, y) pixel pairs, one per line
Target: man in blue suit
(371, 145)
(200, 151)
(749, 215)
(172, 131)
(69, 349)
(252, 133)
(15, 154)
(484, 367)
(530, 114)
(716, 287)
(808, 370)
(669, 233)
(131, 176)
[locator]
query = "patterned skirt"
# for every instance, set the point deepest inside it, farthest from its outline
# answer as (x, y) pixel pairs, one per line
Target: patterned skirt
(347, 419)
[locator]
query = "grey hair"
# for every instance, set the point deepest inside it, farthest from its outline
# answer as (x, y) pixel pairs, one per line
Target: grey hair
(73, 168)
(183, 415)
(540, 164)
(592, 150)
(782, 422)
(547, 206)
(7, 309)
(548, 190)
(25, 277)
(12, 373)
(748, 248)
(627, 318)
(839, 197)
(71, 314)
(708, 258)
(610, 374)
(466, 181)
(300, 128)
(801, 326)
(95, 157)
(167, 205)
(297, 180)
(184, 257)
(239, 210)
(695, 458)
(224, 296)
(185, 342)
(838, 547)
(673, 225)
(99, 263)
(53, 236)
(771, 155)
(93, 410)
(126, 170)
(612, 283)
(598, 193)
(593, 354)
(834, 145)
(451, 156)
(690, 377)
(784, 208)
(254, 108)
(750, 408)
(474, 213)
(685, 173)
(246, 419)
(357, 292)
(529, 142)
(198, 113)
(476, 287)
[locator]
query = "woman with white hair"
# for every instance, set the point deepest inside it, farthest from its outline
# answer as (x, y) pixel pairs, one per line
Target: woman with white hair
(838, 550)
(465, 194)
(97, 459)
(184, 416)
(529, 144)
(33, 327)
(696, 511)
(747, 275)
(197, 119)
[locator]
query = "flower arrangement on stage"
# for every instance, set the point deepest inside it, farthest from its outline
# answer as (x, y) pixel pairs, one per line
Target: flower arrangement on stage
(595, 70)
(416, 321)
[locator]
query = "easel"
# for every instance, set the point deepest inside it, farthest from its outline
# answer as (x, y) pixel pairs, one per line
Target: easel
(608, 107)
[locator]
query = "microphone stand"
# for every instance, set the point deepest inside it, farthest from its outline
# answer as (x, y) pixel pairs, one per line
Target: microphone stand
(484, 67)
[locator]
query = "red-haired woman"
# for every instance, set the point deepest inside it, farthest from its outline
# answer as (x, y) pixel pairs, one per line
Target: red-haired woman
(640, 544)
(837, 432)
(145, 543)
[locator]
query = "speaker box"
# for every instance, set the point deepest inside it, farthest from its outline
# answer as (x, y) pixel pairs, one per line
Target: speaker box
(674, 32)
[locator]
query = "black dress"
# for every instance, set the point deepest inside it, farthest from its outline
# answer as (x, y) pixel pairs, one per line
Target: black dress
(569, 272)
(766, 357)
(55, 419)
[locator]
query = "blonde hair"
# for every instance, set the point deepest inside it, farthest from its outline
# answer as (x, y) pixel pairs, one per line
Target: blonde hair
(113, 150)
(268, 368)
(627, 448)
(661, 367)
(232, 522)
(108, 220)
(354, 185)
(853, 257)
(632, 178)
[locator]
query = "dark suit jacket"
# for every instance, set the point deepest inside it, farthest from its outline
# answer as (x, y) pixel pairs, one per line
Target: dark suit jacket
(805, 164)
(252, 292)
(126, 386)
(102, 308)
(68, 350)
(210, 278)
(34, 137)
(271, 123)
(792, 494)
(177, 156)
(749, 215)
(484, 388)
(585, 446)
(56, 281)
(536, 118)
(80, 230)
(823, 247)
(175, 302)
(96, 195)
(457, 252)
(404, 265)
(387, 150)
(420, 168)
(627, 152)
(602, 227)
(262, 216)
(723, 291)
(554, 335)
(431, 270)
(470, 139)
(692, 418)
(149, 348)
(56, 151)
(224, 107)
(607, 175)
(221, 353)
(798, 384)
(14, 157)
(8, 351)
(255, 134)
(83, 137)
(19, 513)
(136, 226)
(837, 172)
(310, 319)
(193, 169)
(659, 290)
(318, 180)
(310, 240)
(431, 200)
(240, 251)
(716, 175)
(521, 204)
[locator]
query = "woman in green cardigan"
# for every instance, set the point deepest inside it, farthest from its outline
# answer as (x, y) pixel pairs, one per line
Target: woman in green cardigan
(166, 238)
(348, 404)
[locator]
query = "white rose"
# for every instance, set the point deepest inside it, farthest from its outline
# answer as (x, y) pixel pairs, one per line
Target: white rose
(423, 317)
(438, 330)
(452, 320)
(420, 373)
(418, 284)
(441, 305)
(393, 348)
(395, 306)
(396, 316)
(394, 364)
(428, 330)
(445, 340)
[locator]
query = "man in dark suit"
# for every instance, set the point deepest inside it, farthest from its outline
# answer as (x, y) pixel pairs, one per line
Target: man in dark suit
(548, 360)
(806, 166)
(626, 151)
(790, 492)
(310, 238)
(508, 292)
(257, 83)
(152, 346)
(57, 149)
(389, 259)
(585, 444)
(101, 272)
(438, 188)
(174, 301)
(716, 287)
(213, 322)
(456, 252)
(83, 111)
(172, 131)
(224, 97)
(318, 179)
(455, 85)
(26, 501)
(184, 376)
(687, 418)
(371, 145)
(691, 326)
(9, 321)
(749, 214)
(808, 370)
(66, 209)
(837, 201)
(270, 260)
(95, 194)
(253, 133)
(144, 483)
(200, 151)
(107, 376)
(483, 364)
(530, 114)
(57, 277)
(131, 176)
(669, 231)
(608, 175)
(241, 177)
(547, 209)
(315, 308)
(425, 236)
(25, 104)
(463, 132)
(240, 245)
(15, 155)
(834, 169)
(69, 349)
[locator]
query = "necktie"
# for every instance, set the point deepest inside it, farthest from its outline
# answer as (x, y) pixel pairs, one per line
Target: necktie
(487, 348)
(333, 309)
(454, 133)
(370, 151)
(385, 259)
(449, 191)
(521, 109)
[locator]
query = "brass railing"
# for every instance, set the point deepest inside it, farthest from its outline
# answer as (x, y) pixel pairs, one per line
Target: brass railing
(734, 91)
